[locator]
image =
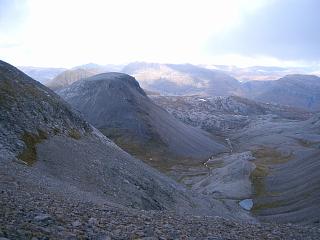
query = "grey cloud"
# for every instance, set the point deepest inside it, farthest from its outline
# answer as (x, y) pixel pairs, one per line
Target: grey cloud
(285, 29)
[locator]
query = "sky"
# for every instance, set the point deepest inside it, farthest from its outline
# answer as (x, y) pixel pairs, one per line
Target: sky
(66, 33)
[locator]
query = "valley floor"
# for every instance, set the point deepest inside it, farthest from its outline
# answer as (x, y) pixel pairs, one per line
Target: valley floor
(37, 214)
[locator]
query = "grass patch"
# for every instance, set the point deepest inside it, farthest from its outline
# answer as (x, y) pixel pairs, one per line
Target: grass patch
(215, 164)
(305, 143)
(29, 154)
(7, 94)
(74, 133)
(269, 205)
(265, 159)
(56, 131)
(152, 151)
(257, 178)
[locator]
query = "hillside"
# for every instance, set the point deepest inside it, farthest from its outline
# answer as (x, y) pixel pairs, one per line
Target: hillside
(302, 91)
(295, 90)
(281, 142)
(48, 147)
(116, 105)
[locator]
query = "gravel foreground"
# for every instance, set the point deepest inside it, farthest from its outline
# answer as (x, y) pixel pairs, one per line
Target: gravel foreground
(37, 214)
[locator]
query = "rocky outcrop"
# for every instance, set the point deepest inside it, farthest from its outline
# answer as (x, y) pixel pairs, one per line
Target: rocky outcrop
(224, 114)
(229, 176)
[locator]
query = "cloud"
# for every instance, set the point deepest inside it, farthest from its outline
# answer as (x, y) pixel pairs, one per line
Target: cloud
(284, 29)
(66, 33)
(12, 14)
(73, 32)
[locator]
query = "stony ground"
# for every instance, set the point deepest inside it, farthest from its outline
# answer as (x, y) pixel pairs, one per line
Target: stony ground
(36, 214)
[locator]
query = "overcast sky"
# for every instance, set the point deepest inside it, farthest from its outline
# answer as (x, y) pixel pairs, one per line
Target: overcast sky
(65, 33)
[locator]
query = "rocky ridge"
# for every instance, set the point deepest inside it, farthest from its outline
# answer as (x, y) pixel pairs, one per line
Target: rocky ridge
(224, 114)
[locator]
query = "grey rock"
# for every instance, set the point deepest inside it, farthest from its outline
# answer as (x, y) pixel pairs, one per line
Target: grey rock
(76, 223)
(246, 204)
(92, 221)
(42, 217)
(224, 114)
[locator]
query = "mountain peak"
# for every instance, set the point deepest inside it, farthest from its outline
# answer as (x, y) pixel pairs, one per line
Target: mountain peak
(118, 81)
(112, 76)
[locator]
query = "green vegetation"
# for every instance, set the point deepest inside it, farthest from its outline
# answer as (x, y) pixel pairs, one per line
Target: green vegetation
(29, 154)
(305, 143)
(265, 159)
(6, 92)
(152, 151)
(269, 205)
(257, 178)
(56, 131)
(74, 133)
(216, 164)
(12, 90)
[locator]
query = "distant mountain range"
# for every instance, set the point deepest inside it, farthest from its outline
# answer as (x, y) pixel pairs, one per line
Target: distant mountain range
(262, 73)
(296, 90)
(41, 74)
(182, 79)
(302, 91)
